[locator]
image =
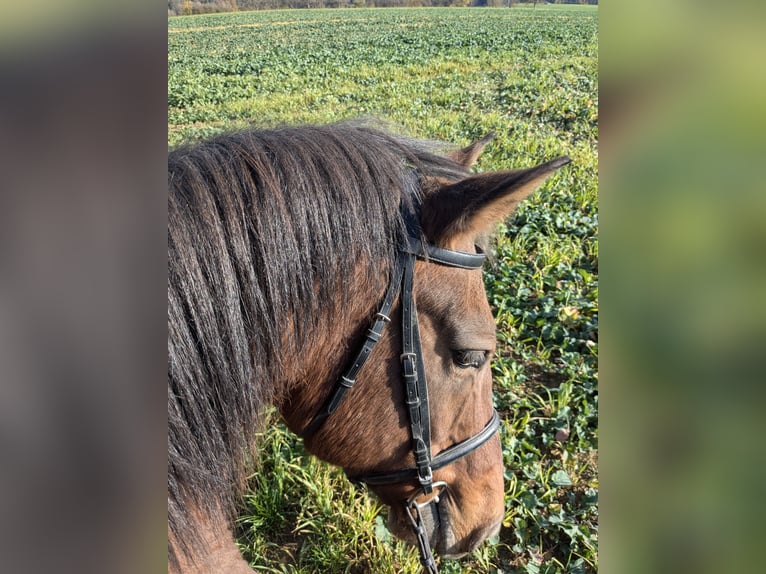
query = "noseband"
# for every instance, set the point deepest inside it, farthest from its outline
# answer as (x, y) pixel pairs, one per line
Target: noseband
(413, 373)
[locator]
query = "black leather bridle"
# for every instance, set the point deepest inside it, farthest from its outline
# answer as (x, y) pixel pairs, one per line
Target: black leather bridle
(413, 373)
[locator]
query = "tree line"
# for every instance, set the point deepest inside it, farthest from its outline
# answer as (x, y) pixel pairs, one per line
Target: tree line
(186, 7)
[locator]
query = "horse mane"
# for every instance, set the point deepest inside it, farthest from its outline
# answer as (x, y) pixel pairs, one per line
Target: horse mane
(262, 225)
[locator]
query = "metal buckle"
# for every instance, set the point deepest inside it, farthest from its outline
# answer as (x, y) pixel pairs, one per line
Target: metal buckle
(382, 317)
(346, 382)
(438, 488)
(426, 481)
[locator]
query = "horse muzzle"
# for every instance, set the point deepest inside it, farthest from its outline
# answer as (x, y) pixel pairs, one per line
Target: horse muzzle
(437, 521)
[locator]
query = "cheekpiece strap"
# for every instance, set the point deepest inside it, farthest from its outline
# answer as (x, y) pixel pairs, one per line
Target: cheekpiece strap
(415, 384)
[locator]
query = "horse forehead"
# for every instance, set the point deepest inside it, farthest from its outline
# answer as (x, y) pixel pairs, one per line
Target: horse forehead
(455, 291)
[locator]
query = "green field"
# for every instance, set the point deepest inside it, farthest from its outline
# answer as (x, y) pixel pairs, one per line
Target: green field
(530, 75)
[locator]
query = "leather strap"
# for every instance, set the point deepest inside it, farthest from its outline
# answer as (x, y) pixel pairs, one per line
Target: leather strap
(449, 257)
(413, 373)
(415, 512)
(347, 380)
(444, 458)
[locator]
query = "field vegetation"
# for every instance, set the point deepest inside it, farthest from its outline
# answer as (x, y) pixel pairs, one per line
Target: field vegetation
(189, 7)
(528, 74)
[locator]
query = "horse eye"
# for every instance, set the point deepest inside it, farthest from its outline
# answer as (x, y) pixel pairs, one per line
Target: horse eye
(468, 358)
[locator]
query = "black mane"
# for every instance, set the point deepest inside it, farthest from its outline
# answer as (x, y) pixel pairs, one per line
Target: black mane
(261, 226)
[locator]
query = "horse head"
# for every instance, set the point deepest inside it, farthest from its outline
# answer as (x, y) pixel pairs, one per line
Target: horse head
(427, 448)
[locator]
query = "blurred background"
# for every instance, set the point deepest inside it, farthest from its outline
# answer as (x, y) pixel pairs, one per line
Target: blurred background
(683, 211)
(82, 286)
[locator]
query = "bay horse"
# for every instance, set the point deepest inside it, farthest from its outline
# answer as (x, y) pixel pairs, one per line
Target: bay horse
(289, 252)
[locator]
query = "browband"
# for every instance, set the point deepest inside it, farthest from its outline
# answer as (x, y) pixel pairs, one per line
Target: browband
(449, 257)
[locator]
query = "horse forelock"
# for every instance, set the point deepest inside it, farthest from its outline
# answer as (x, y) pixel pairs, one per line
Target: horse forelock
(263, 227)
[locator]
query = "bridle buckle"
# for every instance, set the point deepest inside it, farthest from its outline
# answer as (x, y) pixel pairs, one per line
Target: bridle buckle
(426, 481)
(438, 488)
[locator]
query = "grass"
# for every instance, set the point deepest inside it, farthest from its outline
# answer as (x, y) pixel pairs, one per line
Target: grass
(528, 74)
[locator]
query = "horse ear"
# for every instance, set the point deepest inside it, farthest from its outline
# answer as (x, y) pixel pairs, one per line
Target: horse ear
(474, 205)
(468, 156)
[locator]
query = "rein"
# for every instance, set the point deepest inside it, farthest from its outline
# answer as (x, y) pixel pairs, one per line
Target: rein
(416, 387)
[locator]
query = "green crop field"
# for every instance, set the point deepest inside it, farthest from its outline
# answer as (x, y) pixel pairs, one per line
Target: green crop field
(528, 74)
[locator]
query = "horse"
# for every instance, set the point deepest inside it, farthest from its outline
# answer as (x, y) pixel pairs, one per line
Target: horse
(334, 271)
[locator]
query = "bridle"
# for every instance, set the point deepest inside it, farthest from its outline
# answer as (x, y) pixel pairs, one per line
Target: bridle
(416, 388)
